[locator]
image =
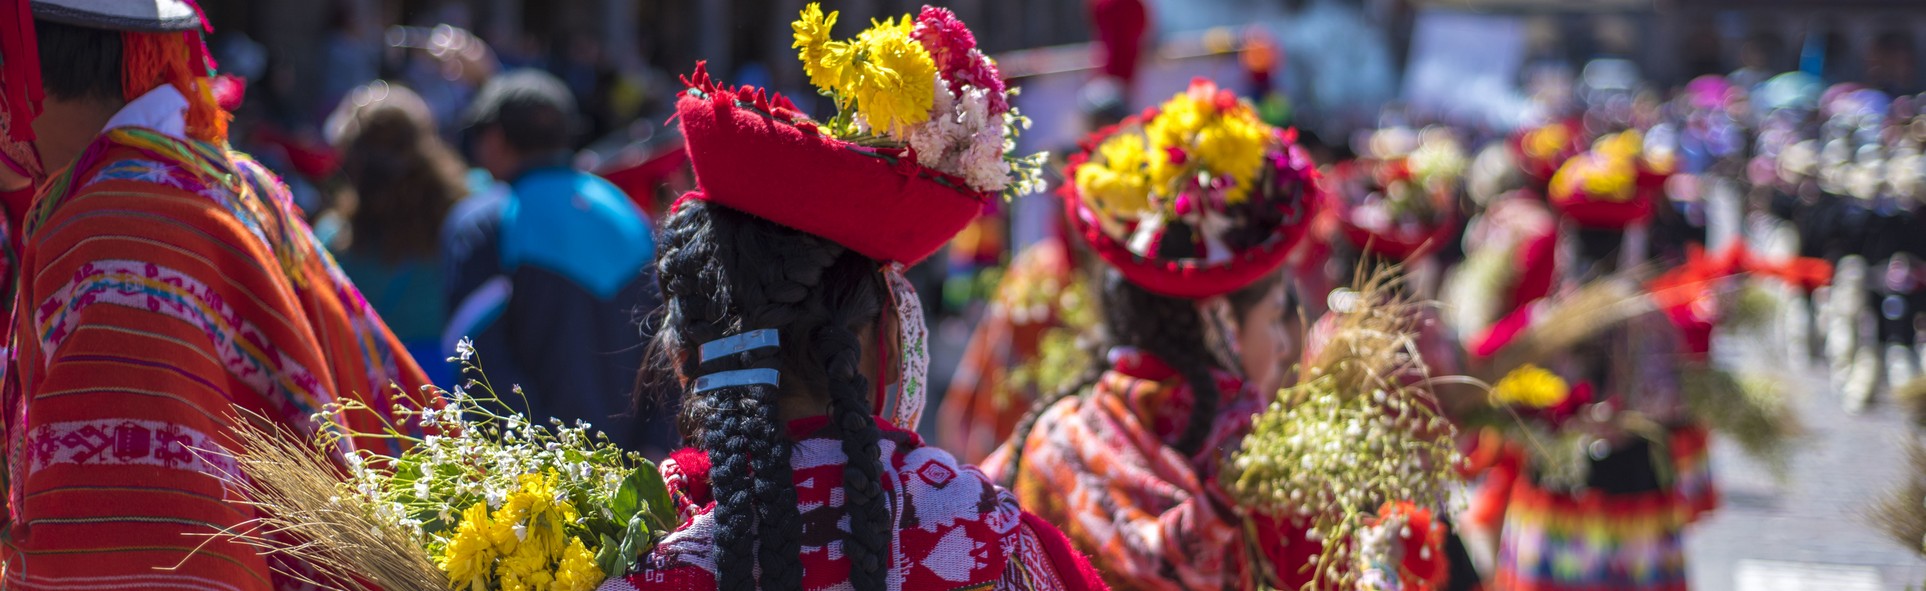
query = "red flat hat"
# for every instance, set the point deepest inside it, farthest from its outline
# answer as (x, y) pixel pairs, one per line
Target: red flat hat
(1539, 151)
(1361, 203)
(1574, 198)
(1269, 221)
(756, 153)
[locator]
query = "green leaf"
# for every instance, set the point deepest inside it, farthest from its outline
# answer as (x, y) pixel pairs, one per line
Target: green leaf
(655, 493)
(610, 558)
(617, 558)
(628, 498)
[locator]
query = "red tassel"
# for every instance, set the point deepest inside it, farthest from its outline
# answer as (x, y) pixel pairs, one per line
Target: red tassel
(149, 60)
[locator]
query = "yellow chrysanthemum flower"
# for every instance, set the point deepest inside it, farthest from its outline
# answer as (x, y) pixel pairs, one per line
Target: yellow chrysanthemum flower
(577, 571)
(1622, 145)
(1115, 182)
(1234, 147)
(470, 554)
(825, 60)
(1547, 141)
(536, 506)
(895, 78)
(1531, 386)
(1119, 195)
(1226, 141)
(1601, 177)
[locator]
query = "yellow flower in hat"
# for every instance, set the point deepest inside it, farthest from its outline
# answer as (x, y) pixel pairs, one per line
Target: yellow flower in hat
(1212, 134)
(1547, 141)
(1531, 386)
(886, 75)
(1115, 182)
(895, 83)
(825, 60)
(1598, 175)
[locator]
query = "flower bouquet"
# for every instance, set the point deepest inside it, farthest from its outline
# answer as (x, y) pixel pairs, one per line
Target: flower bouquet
(921, 83)
(1359, 435)
(489, 500)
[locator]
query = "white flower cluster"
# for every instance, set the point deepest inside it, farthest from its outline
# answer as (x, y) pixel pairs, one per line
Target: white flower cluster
(966, 140)
(475, 451)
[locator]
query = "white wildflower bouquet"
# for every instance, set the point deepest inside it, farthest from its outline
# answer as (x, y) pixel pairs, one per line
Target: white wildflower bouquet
(489, 500)
(1357, 444)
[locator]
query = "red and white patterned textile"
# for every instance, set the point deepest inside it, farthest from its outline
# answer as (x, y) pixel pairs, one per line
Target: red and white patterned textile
(955, 529)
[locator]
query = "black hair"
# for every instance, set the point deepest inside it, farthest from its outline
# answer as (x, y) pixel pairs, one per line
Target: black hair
(1172, 330)
(1598, 251)
(534, 109)
(723, 272)
(78, 63)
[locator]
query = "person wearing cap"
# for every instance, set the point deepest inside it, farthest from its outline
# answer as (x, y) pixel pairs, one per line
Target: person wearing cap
(1193, 234)
(798, 347)
(168, 290)
(547, 269)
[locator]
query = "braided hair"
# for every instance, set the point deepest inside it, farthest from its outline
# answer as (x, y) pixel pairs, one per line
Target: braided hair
(721, 273)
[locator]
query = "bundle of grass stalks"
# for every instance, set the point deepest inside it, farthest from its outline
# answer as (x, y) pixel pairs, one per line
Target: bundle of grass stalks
(1902, 512)
(1911, 396)
(1751, 307)
(1361, 428)
(1752, 411)
(309, 515)
(1575, 318)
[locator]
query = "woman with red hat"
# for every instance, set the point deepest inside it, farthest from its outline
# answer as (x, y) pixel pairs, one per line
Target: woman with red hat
(1193, 207)
(798, 345)
(1600, 496)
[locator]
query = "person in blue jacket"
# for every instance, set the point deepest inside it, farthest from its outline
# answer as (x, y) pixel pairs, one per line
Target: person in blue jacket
(547, 266)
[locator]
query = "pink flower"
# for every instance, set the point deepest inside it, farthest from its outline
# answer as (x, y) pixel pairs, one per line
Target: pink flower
(953, 48)
(945, 36)
(1176, 155)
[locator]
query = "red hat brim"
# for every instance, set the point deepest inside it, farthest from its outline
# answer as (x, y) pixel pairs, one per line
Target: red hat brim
(771, 162)
(1397, 245)
(1602, 213)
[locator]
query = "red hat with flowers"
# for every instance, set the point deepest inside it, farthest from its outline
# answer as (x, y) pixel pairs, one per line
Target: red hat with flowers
(1195, 198)
(1612, 186)
(1401, 204)
(1540, 150)
(920, 143)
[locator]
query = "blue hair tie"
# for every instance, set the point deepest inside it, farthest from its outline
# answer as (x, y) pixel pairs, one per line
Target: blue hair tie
(740, 377)
(766, 338)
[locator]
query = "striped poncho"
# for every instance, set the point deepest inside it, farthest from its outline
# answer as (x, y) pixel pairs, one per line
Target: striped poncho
(165, 284)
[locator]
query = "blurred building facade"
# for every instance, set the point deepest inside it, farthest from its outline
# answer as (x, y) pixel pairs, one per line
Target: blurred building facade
(739, 38)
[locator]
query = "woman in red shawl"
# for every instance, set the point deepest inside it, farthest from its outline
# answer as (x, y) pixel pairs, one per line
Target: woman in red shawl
(1194, 207)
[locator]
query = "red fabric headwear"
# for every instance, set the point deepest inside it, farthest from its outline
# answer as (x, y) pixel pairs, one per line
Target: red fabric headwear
(753, 151)
(1607, 191)
(1540, 150)
(1226, 246)
(1367, 218)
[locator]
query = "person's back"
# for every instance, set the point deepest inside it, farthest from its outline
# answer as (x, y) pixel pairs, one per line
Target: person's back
(547, 272)
(167, 287)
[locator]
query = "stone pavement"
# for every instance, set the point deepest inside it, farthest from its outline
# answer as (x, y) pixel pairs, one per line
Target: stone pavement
(1811, 532)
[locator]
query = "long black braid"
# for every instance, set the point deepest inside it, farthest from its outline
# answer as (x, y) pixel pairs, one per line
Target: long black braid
(723, 272)
(1172, 330)
(868, 548)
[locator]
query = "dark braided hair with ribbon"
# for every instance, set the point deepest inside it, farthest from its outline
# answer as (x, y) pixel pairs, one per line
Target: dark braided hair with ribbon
(725, 273)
